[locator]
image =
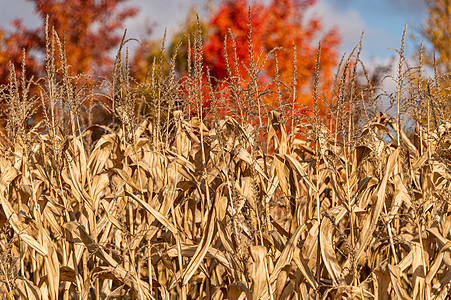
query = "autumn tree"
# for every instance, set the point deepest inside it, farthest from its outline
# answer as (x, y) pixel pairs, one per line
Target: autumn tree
(91, 30)
(437, 32)
(433, 92)
(3, 55)
(11, 50)
(277, 24)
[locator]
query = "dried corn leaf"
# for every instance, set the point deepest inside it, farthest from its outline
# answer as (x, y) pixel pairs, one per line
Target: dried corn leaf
(27, 289)
(368, 228)
(52, 268)
(190, 250)
(202, 248)
(327, 247)
(395, 276)
(381, 280)
(258, 271)
(19, 228)
(286, 256)
(294, 163)
(238, 291)
(157, 215)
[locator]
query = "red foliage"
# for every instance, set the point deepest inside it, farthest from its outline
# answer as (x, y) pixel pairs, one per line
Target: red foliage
(280, 23)
(91, 30)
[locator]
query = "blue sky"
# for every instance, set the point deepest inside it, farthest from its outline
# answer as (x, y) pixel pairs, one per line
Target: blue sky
(382, 20)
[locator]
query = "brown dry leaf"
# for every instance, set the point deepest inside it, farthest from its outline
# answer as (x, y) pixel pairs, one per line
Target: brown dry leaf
(81, 161)
(443, 255)
(19, 228)
(51, 215)
(202, 248)
(100, 155)
(303, 292)
(420, 289)
(309, 249)
(281, 281)
(419, 269)
(303, 267)
(114, 268)
(361, 153)
(67, 274)
(246, 157)
(395, 276)
(283, 262)
(327, 248)
(406, 262)
(221, 207)
(238, 291)
(405, 139)
(27, 289)
(434, 268)
(276, 126)
(401, 195)
(9, 173)
(282, 173)
(126, 178)
(78, 231)
(118, 292)
(104, 272)
(294, 163)
(444, 292)
(98, 185)
(225, 237)
(52, 268)
(190, 250)
(366, 234)
(76, 187)
(435, 232)
(183, 143)
(287, 255)
(115, 273)
(343, 292)
(244, 188)
(381, 281)
(157, 215)
(287, 292)
(2, 218)
(258, 271)
(32, 242)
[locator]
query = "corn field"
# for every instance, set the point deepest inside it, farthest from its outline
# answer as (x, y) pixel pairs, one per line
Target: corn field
(170, 204)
